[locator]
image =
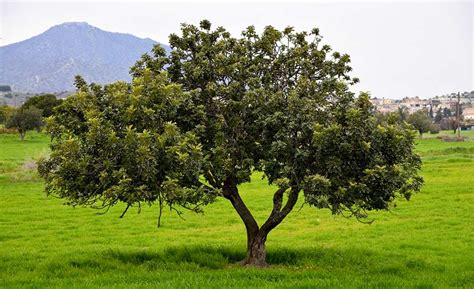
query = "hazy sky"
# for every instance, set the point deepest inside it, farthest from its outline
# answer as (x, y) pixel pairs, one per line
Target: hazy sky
(398, 49)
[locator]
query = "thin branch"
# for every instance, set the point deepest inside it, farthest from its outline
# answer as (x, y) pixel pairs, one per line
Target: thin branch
(160, 200)
(179, 213)
(206, 186)
(125, 211)
(278, 200)
(106, 210)
(210, 178)
(357, 215)
(301, 207)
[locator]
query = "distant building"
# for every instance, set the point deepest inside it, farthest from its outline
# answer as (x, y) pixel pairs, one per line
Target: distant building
(468, 114)
(414, 104)
(434, 105)
(384, 105)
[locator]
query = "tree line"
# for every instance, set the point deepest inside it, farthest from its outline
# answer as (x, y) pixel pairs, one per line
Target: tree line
(424, 120)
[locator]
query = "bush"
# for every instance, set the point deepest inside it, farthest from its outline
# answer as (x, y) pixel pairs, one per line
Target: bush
(5, 112)
(434, 128)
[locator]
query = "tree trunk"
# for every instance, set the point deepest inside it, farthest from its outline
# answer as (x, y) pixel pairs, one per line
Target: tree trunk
(22, 135)
(256, 236)
(256, 252)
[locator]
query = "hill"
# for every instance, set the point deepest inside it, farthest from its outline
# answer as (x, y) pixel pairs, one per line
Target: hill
(48, 62)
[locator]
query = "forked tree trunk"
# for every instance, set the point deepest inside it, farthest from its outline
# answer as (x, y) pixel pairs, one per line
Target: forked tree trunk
(256, 236)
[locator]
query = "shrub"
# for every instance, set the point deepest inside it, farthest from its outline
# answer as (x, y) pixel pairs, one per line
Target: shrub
(434, 128)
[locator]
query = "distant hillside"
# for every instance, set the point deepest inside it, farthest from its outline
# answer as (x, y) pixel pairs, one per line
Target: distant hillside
(48, 62)
(17, 98)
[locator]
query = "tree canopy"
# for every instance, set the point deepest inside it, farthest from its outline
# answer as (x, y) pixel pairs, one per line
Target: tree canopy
(5, 112)
(420, 121)
(194, 124)
(24, 119)
(45, 102)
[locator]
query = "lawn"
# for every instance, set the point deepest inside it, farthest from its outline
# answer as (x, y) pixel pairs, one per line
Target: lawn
(427, 242)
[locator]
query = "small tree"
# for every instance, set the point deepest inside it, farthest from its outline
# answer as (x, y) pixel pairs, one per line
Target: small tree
(420, 121)
(25, 119)
(439, 116)
(435, 128)
(194, 125)
(403, 113)
(447, 112)
(45, 102)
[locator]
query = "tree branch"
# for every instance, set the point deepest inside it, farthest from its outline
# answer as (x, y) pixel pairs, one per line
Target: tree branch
(277, 201)
(276, 218)
(126, 209)
(210, 178)
(231, 193)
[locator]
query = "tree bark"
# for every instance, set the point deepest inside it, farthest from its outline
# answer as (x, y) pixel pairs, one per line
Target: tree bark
(22, 135)
(255, 243)
(256, 252)
(278, 215)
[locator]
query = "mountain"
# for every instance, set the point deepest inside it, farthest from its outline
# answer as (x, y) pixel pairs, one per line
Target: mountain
(48, 62)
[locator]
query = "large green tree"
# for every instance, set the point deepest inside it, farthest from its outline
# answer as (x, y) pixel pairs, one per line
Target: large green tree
(194, 125)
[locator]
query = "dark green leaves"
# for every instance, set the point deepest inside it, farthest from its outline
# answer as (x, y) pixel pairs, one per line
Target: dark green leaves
(200, 120)
(120, 144)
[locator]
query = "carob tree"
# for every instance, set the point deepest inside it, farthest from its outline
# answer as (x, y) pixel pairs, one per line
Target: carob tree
(194, 124)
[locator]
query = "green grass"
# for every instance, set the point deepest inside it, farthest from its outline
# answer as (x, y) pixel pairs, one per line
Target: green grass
(425, 243)
(429, 143)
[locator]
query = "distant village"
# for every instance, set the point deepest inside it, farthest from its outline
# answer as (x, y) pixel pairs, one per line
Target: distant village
(442, 109)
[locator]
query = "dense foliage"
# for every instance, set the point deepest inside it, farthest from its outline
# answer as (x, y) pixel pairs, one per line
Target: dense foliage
(420, 121)
(5, 112)
(118, 144)
(195, 124)
(45, 102)
(24, 119)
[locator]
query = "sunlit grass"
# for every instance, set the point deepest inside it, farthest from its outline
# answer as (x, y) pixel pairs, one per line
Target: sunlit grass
(424, 243)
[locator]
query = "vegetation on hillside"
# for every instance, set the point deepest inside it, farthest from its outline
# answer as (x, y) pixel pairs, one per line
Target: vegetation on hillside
(45, 102)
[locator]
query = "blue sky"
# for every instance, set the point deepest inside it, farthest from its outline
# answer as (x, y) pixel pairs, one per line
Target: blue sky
(398, 49)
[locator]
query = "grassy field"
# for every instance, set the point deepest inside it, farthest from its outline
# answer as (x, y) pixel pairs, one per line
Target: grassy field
(425, 243)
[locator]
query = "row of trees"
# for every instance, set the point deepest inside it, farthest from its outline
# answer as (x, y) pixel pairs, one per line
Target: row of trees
(30, 115)
(423, 120)
(194, 125)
